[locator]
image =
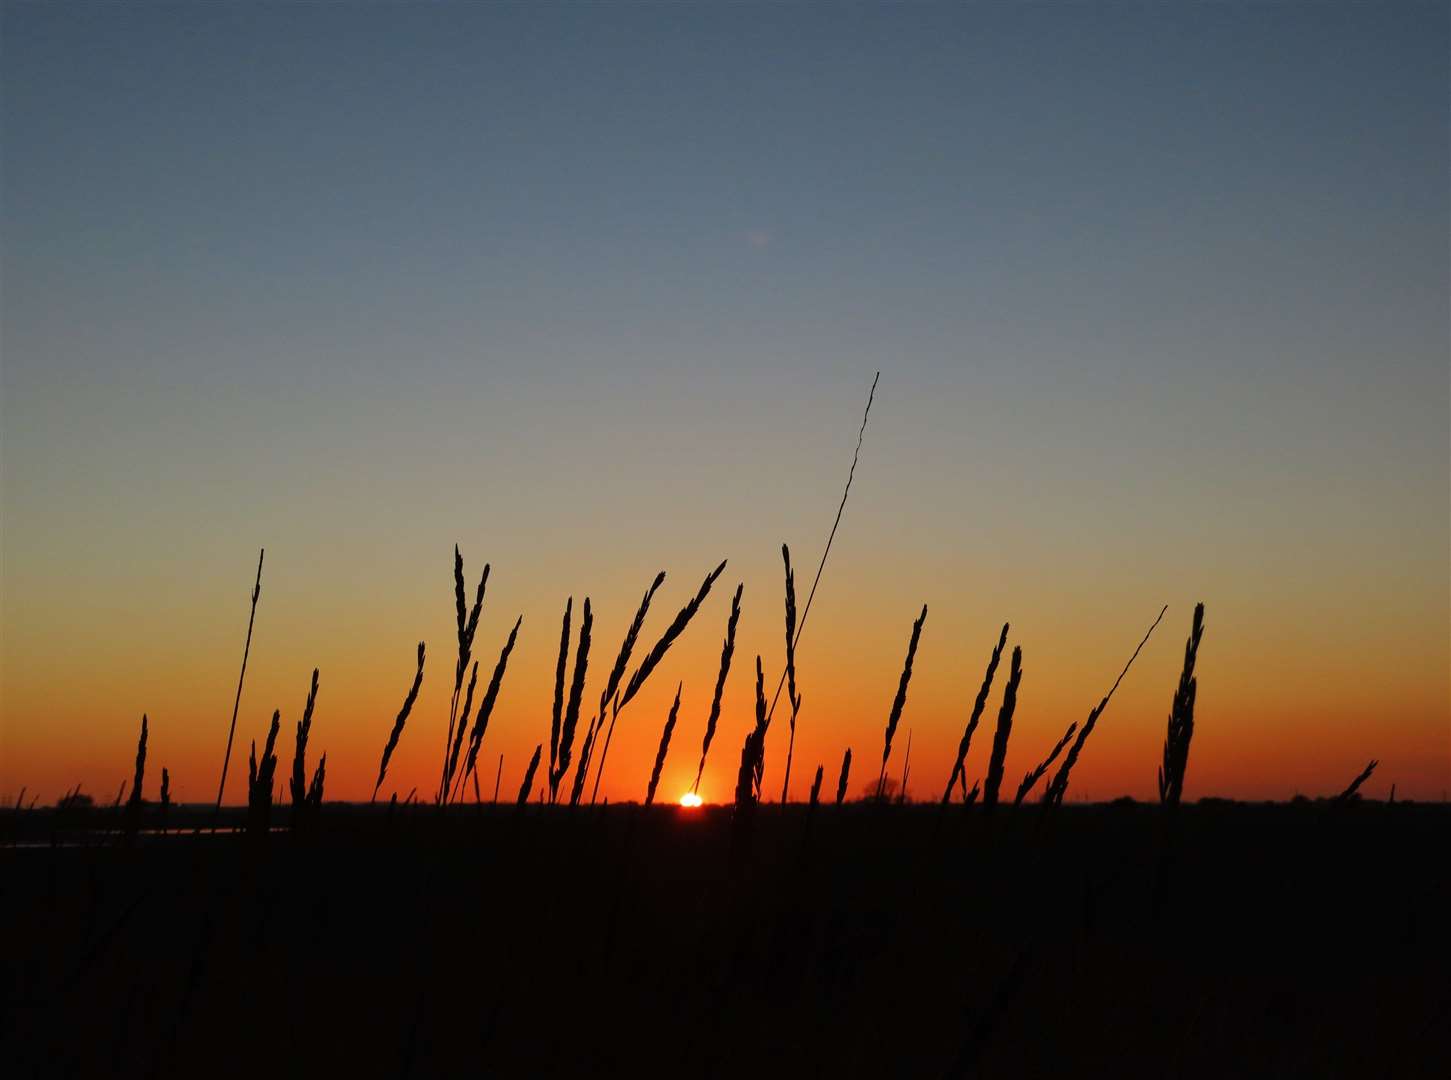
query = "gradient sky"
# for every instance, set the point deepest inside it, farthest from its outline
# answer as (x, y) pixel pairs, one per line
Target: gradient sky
(1159, 296)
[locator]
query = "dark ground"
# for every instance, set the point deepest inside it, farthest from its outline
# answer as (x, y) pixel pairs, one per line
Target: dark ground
(1303, 940)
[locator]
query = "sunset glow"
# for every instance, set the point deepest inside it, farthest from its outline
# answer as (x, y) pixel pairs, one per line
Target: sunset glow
(690, 800)
(595, 313)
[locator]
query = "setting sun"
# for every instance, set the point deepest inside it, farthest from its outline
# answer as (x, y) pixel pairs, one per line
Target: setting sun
(690, 800)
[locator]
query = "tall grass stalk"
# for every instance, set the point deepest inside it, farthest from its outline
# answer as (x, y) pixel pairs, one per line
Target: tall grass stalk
(133, 805)
(664, 746)
(557, 713)
(727, 650)
(467, 620)
(753, 750)
(842, 779)
(900, 701)
(570, 719)
(979, 703)
(1181, 719)
(994, 776)
(451, 764)
(576, 690)
(1349, 795)
(820, 566)
(397, 732)
(528, 785)
(260, 775)
(1059, 787)
(298, 785)
(792, 695)
(237, 701)
(906, 769)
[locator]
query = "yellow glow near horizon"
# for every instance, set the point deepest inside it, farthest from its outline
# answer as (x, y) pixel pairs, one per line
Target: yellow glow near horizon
(690, 800)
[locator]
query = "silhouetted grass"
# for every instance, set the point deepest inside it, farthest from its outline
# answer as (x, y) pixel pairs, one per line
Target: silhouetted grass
(1059, 787)
(816, 786)
(314, 790)
(842, 779)
(491, 695)
(133, 806)
(467, 620)
(753, 750)
(612, 684)
(900, 701)
(727, 650)
(451, 764)
(830, 536)
(298, 785)
(557, 713)
(1351, 793)
(791, 694)
(528, 785)
(906, 769)
(651, 661)
(397, 732)
(236, 703)
(260, 775)
(1032, 778)
(1181, 719)
(994, 777)
(977, 707)
(664, 746)
(576, 698)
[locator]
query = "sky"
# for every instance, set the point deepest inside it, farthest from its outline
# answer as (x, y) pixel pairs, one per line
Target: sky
(1159, 297)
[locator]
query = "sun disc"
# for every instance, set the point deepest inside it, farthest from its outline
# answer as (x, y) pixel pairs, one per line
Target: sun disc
(690, 800)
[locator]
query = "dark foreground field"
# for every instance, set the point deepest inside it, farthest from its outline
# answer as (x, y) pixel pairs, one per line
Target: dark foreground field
(867, 941)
